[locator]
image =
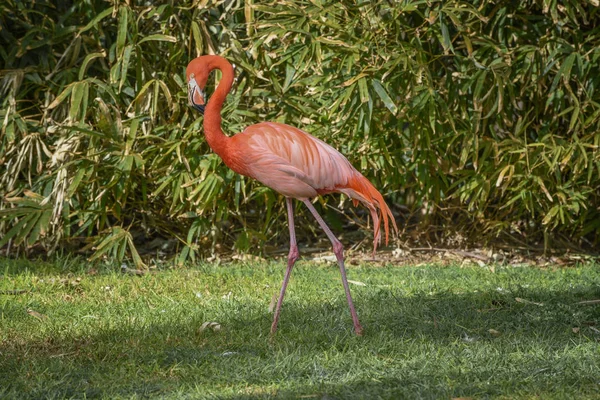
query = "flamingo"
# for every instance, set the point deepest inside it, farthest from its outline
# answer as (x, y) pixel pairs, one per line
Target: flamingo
(289, 161)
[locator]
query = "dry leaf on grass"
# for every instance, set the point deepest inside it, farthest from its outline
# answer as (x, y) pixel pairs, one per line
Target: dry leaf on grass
(589, 302)
(131, 271)
(273, 303)
(214, 326)
(494, 332)
(525, 301)
(71, 282)
(37, 315)
(357, 283)
(469, 339)
(326, 258)
(227, 296)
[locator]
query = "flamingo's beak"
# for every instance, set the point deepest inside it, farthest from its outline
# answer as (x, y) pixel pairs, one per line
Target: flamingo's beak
(195, 95)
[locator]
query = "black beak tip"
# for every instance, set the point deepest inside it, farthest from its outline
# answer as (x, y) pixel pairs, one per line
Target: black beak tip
(199, 107)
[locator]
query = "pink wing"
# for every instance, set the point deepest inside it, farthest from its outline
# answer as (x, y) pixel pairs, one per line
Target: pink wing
(298, 165)
(291, 161)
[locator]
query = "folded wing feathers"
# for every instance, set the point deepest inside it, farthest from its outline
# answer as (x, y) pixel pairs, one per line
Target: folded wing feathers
(323, 168)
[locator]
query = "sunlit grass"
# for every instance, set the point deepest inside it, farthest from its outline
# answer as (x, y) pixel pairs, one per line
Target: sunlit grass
(430, 332)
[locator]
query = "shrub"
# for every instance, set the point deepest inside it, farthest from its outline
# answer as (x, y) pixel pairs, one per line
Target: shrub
(478, 116)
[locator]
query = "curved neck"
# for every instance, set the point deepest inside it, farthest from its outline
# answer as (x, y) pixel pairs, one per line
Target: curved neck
(215, 137)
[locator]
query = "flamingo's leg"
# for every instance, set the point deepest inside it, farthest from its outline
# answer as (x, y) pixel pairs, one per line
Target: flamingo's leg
(338, 250)
(292, 257)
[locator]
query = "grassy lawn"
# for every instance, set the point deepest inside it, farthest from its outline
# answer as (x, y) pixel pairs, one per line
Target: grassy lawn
(430, 332)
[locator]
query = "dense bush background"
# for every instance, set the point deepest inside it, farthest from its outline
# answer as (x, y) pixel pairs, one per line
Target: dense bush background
(477, 117)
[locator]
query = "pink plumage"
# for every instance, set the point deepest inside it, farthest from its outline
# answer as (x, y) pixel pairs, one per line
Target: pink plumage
(297, 164)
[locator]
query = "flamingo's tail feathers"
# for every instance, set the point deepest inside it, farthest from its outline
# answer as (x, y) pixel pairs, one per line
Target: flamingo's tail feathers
(360, 189)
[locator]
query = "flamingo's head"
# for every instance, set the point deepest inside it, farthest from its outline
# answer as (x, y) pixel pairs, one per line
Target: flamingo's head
(197, 76)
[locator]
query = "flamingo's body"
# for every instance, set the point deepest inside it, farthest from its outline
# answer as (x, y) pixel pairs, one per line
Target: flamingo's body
(288, 160)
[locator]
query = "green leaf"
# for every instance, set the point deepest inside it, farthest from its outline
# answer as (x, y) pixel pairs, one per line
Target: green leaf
(125, 65)
(122, 32)
(384, 96)
(40, 227)
(75, 182)
(77, 95)
(160, 38)
(96, 20)
(446, 42)
(198, 42)
(87, 60)
(290, 72)
(15, 232)
(62, 96)
(363, 90)
(564, 71)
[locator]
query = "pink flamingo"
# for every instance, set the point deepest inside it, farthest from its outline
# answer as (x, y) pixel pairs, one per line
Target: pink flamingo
(288, 160)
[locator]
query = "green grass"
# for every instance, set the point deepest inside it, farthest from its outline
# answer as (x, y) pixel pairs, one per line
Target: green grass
(427, 332)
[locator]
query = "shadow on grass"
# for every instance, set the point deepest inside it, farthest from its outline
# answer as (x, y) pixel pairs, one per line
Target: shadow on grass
(480, 344)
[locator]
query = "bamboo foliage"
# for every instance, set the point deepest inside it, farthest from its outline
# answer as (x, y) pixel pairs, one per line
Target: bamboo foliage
(484, 115)
(488, 109)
